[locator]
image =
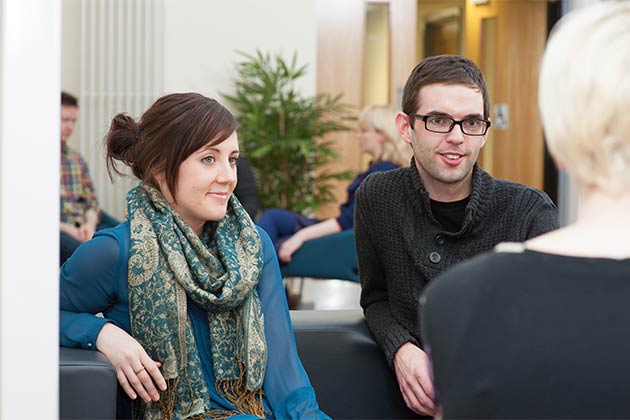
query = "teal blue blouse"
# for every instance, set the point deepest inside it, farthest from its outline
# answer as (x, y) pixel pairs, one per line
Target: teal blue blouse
(94, 280)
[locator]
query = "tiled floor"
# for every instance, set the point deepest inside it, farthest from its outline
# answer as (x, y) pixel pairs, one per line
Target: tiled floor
(327, 294)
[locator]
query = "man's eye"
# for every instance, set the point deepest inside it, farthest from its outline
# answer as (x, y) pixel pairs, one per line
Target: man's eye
(208, 159)
(440, 120)
(472, 123)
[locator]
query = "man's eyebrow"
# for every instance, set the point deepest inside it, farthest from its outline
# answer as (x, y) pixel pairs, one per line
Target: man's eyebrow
(444, 114)
(476, 116)
(437, 113)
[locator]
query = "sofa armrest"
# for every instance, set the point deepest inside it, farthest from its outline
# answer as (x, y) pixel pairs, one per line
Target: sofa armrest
(346, 367)
(87, 385)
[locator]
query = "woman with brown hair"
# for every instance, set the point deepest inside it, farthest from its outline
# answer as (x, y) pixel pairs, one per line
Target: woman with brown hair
(195, 317)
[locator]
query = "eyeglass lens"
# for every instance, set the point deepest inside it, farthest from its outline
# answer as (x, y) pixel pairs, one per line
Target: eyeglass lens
(442, 124)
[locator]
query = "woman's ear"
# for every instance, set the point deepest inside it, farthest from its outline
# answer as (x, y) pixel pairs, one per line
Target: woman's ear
(160, 183)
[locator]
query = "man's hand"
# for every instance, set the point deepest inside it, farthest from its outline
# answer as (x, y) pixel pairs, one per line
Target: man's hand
(289, 247)
(137, 373)
(411, 365)
(87, 231)
(71, 230)
(89, 226)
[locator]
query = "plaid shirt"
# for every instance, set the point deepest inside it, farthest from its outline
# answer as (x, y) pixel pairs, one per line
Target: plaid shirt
(77, 191)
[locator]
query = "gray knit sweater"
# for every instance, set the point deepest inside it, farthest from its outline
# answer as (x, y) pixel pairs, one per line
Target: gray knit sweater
(401, 247)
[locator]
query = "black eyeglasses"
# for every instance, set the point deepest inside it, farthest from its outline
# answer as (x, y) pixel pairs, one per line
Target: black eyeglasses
(443, 124)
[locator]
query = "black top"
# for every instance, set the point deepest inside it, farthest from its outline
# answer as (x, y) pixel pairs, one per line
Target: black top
(401, 247)
(450, 215)
(531, 335)
(245, 189)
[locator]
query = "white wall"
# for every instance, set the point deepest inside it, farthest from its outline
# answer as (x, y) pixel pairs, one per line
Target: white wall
(71, 46)
(200, 40)
(29, 204)
(201, 37)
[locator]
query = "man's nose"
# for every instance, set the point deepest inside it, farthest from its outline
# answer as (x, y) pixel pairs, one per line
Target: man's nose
(456, 135)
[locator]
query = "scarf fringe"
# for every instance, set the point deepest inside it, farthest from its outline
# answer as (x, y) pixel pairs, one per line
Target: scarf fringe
(245, 400)
(233, 390)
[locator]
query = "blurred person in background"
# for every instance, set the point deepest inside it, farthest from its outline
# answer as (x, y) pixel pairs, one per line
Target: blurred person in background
(80, 215)
(379, 139)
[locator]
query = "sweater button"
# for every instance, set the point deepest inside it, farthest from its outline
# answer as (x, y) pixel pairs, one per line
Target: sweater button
(435, 258)
(439, 239)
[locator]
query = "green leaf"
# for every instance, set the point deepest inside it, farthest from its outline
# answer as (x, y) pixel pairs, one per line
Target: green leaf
(280, 131)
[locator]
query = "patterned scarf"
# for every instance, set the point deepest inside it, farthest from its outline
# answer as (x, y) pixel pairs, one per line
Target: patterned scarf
(219, 271)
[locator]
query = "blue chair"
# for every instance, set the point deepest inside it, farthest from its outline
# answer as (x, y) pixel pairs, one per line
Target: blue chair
(329, 257)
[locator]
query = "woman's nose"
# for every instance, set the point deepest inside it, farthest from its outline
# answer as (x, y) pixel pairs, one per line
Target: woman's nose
(227, 173)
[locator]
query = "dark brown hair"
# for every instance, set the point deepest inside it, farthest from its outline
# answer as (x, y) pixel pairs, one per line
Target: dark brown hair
(172, 129)
(445, 69)
(69, 100)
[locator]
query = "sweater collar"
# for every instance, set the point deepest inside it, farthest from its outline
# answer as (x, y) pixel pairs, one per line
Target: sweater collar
(478, 204)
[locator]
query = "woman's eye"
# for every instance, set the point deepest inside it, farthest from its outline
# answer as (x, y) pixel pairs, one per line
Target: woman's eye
(233, 160)
(208, 159)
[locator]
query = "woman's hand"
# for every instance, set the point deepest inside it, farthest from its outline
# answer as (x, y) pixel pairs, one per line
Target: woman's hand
(137, 373)
(289, 247)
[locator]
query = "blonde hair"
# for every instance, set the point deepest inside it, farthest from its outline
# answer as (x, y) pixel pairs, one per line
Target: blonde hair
(383, 120)
(584, 95)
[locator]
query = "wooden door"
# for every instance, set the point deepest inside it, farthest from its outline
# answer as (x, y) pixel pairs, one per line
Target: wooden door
(505, 38)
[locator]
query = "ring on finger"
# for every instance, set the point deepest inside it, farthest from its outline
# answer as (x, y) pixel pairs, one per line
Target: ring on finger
(139, 370)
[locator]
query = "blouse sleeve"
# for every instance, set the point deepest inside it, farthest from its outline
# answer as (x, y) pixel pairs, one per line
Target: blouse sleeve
(286, 384)
(87, 286)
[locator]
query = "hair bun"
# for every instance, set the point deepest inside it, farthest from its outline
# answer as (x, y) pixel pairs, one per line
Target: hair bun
(124, 134)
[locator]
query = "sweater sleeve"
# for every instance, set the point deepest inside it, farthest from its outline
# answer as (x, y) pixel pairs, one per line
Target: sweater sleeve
(88, 188)
(387, 331)
(542, 216)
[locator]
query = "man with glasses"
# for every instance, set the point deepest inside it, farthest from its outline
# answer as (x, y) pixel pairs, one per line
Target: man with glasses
(413, 223)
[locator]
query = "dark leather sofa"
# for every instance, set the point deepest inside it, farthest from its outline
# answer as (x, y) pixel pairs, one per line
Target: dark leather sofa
(346, 368)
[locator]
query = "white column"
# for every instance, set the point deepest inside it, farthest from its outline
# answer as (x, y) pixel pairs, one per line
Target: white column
(29, 208)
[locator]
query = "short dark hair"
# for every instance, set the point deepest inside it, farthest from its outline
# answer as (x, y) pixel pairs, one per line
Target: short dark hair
(174, 127)
(69, 100)
(446, 69)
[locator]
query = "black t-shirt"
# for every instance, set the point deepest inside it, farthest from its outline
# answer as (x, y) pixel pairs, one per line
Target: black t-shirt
(450, 215)
(532, 335)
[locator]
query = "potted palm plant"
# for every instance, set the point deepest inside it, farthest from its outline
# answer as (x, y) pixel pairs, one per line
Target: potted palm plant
(282, 132)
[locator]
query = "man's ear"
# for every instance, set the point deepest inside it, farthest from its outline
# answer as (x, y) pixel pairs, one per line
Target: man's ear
(404, 129)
